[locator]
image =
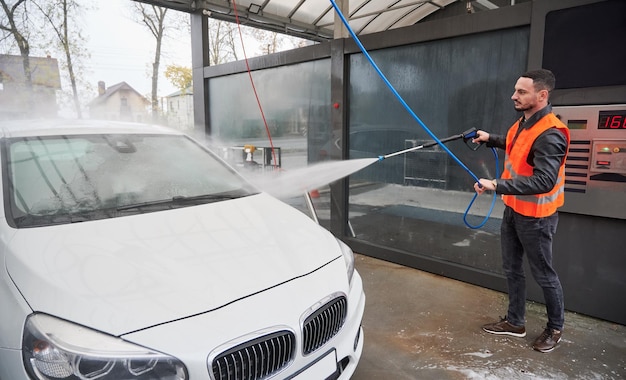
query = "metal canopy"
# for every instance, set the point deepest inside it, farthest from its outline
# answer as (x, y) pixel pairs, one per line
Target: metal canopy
(315, 19)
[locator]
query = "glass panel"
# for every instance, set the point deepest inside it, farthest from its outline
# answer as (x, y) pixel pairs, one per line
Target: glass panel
(295, 101)
(415, 201)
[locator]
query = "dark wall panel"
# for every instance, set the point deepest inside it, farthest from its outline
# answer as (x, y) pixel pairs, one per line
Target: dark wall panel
(585, 46)
(451, 84)
(591, 263)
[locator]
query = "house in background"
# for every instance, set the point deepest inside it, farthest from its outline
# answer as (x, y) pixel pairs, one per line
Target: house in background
(119, 102)
(17, 100)
(180, 109)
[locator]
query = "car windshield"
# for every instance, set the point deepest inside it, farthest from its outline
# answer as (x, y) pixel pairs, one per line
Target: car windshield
(75, 178)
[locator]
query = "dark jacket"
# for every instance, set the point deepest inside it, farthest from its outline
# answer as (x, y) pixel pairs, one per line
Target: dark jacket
(546, 155)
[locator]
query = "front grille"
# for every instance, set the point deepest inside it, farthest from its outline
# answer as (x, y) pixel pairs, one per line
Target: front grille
(257, 359)
(323, 324)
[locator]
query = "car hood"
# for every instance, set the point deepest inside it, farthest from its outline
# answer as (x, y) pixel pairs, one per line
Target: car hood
(128, 273)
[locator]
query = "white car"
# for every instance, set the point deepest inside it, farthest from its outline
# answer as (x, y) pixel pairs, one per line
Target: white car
(132, 252)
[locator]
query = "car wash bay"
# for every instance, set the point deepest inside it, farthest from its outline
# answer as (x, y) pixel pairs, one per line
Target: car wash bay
(457, 71)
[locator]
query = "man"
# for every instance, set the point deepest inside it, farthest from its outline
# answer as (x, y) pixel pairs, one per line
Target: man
(532, 186)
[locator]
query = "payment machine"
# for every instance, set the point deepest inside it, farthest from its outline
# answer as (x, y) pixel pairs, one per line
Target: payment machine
(595, 169)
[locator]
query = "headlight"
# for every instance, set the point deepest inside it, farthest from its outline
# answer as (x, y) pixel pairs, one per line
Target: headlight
(55, 349)
(348, 256)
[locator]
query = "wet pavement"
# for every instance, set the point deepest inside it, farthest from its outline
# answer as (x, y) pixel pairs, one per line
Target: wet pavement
(418, 325)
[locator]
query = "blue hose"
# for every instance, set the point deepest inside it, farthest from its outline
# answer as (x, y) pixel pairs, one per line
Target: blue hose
(412, 113)
(493, 199)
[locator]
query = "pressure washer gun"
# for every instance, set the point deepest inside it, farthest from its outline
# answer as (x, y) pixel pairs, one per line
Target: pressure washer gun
(467, 137)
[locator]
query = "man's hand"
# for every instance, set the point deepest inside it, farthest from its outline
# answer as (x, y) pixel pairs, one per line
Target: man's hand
(481, 137)
(485, 184)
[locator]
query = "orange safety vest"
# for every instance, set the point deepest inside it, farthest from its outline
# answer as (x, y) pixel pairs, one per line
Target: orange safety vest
(515, 164)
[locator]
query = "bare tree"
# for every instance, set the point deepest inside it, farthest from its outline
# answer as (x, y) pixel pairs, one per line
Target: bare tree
(222, 45)
(222, 40)
(269, 41)
(60, 15)
(15, 24)
(154, 18)
(273, 42)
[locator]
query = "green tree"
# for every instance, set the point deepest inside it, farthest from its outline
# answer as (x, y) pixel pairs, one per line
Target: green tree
(179, 76)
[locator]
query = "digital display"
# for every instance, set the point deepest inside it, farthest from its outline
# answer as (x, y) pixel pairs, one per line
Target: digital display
(612, 120)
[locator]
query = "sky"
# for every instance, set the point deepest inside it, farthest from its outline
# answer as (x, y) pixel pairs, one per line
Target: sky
(122, 50)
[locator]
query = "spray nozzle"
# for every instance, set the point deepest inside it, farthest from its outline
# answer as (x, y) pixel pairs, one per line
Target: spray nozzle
(380, 158)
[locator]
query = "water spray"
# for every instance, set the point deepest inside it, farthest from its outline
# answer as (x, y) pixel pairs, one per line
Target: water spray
(419, 121)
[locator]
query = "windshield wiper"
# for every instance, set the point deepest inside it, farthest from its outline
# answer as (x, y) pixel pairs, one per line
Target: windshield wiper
(61, 217)
(183, 200)
(208, 197)
(131, 206)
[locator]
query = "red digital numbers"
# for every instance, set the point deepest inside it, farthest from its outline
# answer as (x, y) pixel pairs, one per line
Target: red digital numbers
(612, 120)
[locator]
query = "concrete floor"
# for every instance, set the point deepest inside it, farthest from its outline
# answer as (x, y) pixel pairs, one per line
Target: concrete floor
(419, 325)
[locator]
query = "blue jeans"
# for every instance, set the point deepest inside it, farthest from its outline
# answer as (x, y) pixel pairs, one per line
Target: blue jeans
(533, 236)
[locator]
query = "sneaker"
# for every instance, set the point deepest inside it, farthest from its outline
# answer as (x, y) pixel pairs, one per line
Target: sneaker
(547, 341)
(505, 328)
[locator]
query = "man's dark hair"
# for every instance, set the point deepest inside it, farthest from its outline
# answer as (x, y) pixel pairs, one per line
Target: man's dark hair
(542, 79)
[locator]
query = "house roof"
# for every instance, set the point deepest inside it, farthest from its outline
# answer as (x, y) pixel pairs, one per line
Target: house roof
(44, 71)
(186, 91)
(109, 91)
(315, 19)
